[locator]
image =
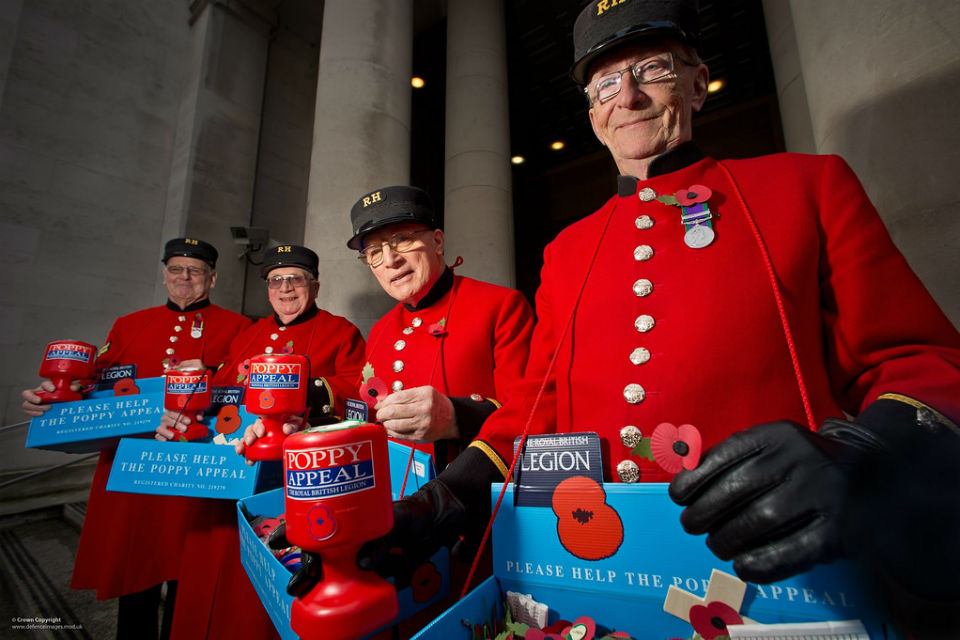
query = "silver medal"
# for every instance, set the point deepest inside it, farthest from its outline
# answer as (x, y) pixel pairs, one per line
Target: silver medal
(698, 236)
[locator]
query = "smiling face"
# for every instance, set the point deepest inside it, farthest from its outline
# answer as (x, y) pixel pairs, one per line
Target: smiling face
(289, 301)
(408, 276)
(192, 284)
(643, 121)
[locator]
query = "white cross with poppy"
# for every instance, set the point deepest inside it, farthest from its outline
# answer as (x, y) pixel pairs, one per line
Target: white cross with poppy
(723, 588)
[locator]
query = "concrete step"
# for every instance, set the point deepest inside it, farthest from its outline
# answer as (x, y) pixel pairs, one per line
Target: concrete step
(37, 549)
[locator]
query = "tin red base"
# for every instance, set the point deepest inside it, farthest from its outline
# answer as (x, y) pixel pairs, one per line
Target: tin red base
(64, 362)
(347, 603)
(62, 392)
(270, 446)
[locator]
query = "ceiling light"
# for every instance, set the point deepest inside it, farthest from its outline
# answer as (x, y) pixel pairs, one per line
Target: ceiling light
(517, 160)
(417, 82)
(715, 86)
(556, 146)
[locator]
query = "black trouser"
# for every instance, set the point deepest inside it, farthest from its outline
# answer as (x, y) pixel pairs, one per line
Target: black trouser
(137, 614)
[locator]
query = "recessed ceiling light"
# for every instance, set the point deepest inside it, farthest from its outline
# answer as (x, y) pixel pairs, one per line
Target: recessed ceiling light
(417, 82)
(517, 160)
(715, 85)
(556, 146)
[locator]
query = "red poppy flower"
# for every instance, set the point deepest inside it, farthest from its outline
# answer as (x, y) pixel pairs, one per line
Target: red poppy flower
(693, 195)
(711, 621)
(125, 387)
(174, 361)
(438, 328)
(583, 628)
(372, 390)
(244, 367)
(425, 582)
(557, 627)
(263, 526)
(228, 419)
(287, 348)
(676, 448)
(266, 399)
(322, 523)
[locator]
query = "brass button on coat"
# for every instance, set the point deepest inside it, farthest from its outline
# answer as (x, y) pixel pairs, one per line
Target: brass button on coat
(643, 253)
(639, 356)
(644, 323)
(628, 471)
(642, 287)
(634, 393)
(630, 436)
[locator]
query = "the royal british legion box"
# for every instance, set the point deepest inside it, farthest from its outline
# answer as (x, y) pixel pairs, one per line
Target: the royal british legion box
(207, 467)
(128, 408)
(617, 554)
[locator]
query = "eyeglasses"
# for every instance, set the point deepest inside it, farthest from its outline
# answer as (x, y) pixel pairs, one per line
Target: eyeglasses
(295, 280)
(195, 272)
(645, 71)
(398, 242)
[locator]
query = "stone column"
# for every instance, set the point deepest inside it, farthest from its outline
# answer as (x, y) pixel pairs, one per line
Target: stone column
(882, 84)
(9, 23)
(478, 204)
(218, 128)
(788, 74)
(361, 140)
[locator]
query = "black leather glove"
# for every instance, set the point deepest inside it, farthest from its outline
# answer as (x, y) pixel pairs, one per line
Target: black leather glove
(778, 499)
(311, 565)
(771, 497)
(451, 511)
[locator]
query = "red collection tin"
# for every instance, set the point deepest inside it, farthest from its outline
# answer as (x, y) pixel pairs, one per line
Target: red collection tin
(276, 392)
(188, 391)
(64, 362)
(337, 489)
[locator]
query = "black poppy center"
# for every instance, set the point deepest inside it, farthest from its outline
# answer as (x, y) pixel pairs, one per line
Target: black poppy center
(681, 448)
(373, 394)
(718, 622)
(691, 195)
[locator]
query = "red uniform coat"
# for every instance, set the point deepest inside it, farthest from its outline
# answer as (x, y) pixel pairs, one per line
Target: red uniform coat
(715, 353)
(214, 597)
(118, 551)
(471, 341)
(333, 345)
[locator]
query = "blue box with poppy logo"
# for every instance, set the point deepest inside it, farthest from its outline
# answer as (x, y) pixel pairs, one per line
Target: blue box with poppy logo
(206, 466)
(617, 554)
(129, 408)
(269, 576)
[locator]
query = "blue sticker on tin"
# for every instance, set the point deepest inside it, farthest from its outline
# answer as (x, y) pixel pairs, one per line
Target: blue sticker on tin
(326, 472)
(274, 375)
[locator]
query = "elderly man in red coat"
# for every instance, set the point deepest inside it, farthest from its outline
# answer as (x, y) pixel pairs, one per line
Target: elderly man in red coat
(216, 599)
(438, 361)
(187, 327)
(743, 307)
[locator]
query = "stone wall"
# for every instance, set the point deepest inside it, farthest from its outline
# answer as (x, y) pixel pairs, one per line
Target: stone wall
(87, 119)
